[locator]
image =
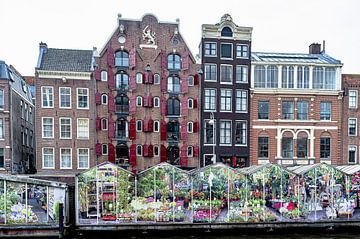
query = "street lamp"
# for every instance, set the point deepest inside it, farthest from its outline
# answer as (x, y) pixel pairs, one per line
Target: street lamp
(212, 122)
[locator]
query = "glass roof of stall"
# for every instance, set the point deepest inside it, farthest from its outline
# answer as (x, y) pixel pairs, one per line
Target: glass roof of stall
(27, 179)
(303, 169)
(161, 165)
(349, 169)
(255, 168)
(105, 165)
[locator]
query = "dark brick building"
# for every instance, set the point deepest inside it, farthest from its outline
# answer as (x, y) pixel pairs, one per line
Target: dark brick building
(225, 108)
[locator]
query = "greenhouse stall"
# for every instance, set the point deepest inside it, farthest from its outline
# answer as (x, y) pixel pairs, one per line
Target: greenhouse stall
(25, 200)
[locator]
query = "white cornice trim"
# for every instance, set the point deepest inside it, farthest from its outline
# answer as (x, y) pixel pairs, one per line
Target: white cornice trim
(294, 63)
(295, 127)
(66, 74)
(295, 92)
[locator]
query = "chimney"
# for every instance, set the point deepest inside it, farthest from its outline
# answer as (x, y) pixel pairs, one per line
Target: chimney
(43, 46)
(42, 50)
(315, 48)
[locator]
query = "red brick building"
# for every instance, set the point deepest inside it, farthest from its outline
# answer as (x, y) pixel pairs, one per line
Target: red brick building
(296, 108)
(146, 96)
(351, 117)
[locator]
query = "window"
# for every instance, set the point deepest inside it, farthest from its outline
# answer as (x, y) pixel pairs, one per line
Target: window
(104, 99)
(82, 128)
(104, 124)
(122, 104)
(122, 81)
(302, 147)
(139, 78)
(272, 77)
(225, 132)
(210, 99)
(225, 100)
(121, 58)
(103, 75)
(156, 151)
(241, 101)
(226, 50)
(2, 158)
(139, 101)
(156, 102)
(104, 149)
(330, 77)
(353, 94)
(47, 97)
(352, 154)
(174, 62)
(241, 74)
(26, 116)
(83, 158)
(190, 103)
(22, 108)
(157, 79)
(48, 158)
(1, 128)
(352, 127)
(173, 106)
(325, 110)
(325, 148)
(83, 98)
(156, 126)
(259, 76)
(240, 133)
(65, 128)
(263, 147)
(65, 97)
(190, 151)
(138, 150)
(190, 127)
(226, 74)
(242, 51)
(209, 132)
(65, 158)
(173, 129)
(122, 129)
(324, 77)
(288, 110)
(173, 85)
(191, 81)
(210, 48)
(1, 101)
(287, 77)
(303, 77)
(30, 114)
(287, 147)
(139, 126)
(48, 127)
(226, 32)
(302, 110)
(263, 109)
(210, 73)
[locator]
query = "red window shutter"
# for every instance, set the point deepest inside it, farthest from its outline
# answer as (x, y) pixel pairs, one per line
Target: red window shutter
(163, 156)
(110, 57)
(97, 98)
(132, 154)
(111, 103)
(196, 79)
(132, 58)
(132, 83)
(233, 161)
(184, 84)
(111, 79)
(111, 153)
(163, 60)
(184, 106)
(132, 129)
(196, 151)
(146, 150)
(163, 82)
(196, 127)
(132, 109)
(98, 123)
(151, 151)
(151, 125)
(146, 125)
(185, 61)
(183, 131)
(183, 156)
(163, 130)
(111, 128)
(98, 149)
(98, 74)
(150, 77)
(144, 78)
(163, 105)
(195, 103)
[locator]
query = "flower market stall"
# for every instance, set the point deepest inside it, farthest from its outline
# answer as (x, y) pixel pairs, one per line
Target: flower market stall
(104, 195)
(162, 194)
(25, 200)
(321, 188)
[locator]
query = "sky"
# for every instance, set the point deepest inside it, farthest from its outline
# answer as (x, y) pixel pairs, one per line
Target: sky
(278, 25)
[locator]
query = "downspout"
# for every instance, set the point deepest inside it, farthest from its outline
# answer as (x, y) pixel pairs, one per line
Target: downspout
(11, 129)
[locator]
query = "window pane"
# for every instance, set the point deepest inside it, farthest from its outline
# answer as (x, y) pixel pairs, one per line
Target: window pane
(263, 110)
(263, 147)
(226, 74)
(325, 110)
(210, 72)
(226, 100)
(225, 132)
(226, 50)
(302, 110)
(83, 158)
(241, 101)
(241, 74)
(65, 97)
(65, 161)
(288, 110)
(287, 147)
(240, 133)
(325, 148)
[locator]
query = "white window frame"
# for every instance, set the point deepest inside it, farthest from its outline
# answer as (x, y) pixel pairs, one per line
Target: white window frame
(137, 101)
(192, 151)
(77, 128)
(158, 123)
(139, 78)
(191, 80)
(207, 55)
(232, 51)
(236, 101)
(2, 137)
(192, 103)
(102, 97)
(107, 124)
(157, 79)
(61, 125)
(190, 124)
(139, 146)
(232, 74)
(88, 158)
(102, 149)
(242, 57)
(64, 107)
(61, 167)
(213, 130)
(215, 101)
(231, 133)
(352, 146)
(42, 97)
(158, 100)
(356, 126)
(246, 132)
(231, 99)
(141, 124)
(103, 75)
(43, 161)
(42, 127)
(77, 99)
(356, 99)
(244, 76)
(210, 64)
(2, 98)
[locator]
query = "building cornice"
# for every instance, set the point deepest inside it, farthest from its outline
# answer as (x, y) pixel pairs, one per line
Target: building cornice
(64, 74)
(295, 92)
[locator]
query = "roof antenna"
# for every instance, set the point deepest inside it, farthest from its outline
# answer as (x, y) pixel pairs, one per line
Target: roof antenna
(323, 46)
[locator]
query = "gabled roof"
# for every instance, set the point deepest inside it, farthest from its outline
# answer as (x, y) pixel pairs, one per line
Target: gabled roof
(293, 58)
(300, 170)
(349, 169)
(53, 59)
(162, 165)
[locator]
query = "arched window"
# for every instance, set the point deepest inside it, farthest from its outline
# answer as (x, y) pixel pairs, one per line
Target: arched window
(122, 81)
(156, 126)
(122, 154)
(190, 127)
(121, 58)
(174, 62)
(121, 128)
(156, 151)
(104, 99)
(139, 101)
(173, 106)
(139, 78)
(190, 151)
(302, 145)
(157, 79)
(122, 104)
(103, 75)
(139, 150)
(287, 145)
(173, 129)
(173, 155)
(303, 77)
(104, 124)
(318, 77)
(139, 126)
(226, 32)
(272, 77)
(287, 77)
(190, 103)
(156, 101)
(259, 77)
(173, 85)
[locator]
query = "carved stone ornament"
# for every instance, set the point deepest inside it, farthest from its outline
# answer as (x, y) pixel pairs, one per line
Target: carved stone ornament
(226, 17)
(149, 36)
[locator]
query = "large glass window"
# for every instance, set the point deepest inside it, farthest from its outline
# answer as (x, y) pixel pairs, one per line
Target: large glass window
(259, 77)
(352, 154)
(48, 157)
(225, 132)
(226, 74)
(210, 72)
(122, 59)
(324, 78)
(241, 132)
(263, 109)
(263, 147)
(302, 110)
(272, 77)
(241, 101)
(287, 77)
(174, 62)
(122, 128)
(210, 99)
(226, 100)
(352, 127)
(47, 97)
(302, 147)
(241, 74)
(210, 48)
(288, 110)
(83, 128)
(47, 127)
(226, 50)
(173, 85)
(353, 99)
(330, 77)
(65, 128)
(303, 77)
(209, 132)
(318, 77)
(83, 158)
(122, 81)
(325, 148)
(65, 97)
(173, 106)
(83, 98)
(173, 129)
(325, 110)
(122, 104)
(242, 51)
(65, 158)
(287, 147)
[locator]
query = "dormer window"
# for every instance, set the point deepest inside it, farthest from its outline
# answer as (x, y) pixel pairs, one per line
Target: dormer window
(226, 32)
(174, 62)
(122, 58)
